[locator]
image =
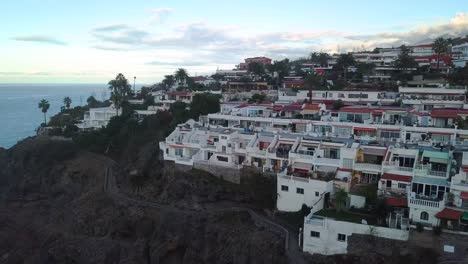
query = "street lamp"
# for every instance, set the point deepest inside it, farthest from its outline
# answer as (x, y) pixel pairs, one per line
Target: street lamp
(134, 79)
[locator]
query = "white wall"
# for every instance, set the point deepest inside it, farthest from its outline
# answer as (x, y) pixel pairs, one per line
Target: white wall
(291, 201)
(328, 244)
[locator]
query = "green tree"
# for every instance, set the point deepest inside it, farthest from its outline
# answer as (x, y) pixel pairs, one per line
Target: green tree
(323, 59)
(92, 102)
(67, 102)
(120, 91)
(168, 81)
(404, 60)
(203, 104)
(44, 106)
(257, 98)
(440, 47)
(313, 80)
(256, 68)
(343, 62)
(459, 77)
(338, 104)
(179, 112)
(365, 68)
(181, 76)
(340, 199)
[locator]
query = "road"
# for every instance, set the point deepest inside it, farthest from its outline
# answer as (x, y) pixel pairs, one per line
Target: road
(293, 251)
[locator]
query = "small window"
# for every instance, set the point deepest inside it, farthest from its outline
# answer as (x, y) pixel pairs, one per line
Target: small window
(314, 234)
(317, 194)
(300, 190)
(284, 188)
(424, 216)
(342, 237)
(402, 185)
(223, 159)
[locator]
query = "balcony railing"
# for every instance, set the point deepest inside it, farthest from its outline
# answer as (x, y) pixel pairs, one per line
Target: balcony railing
(315, 221)
(426, 202)
(395, 166)
(327, 161)
(367, 167)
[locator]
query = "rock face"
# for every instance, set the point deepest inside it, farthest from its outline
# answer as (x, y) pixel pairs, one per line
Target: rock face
(54, 209)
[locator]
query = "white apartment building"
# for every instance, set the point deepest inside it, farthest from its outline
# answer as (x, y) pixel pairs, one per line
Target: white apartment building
(460, 55)
(362, 97)
(426, 98)
(97, 118)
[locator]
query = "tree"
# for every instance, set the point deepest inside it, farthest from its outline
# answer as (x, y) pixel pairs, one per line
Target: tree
(257, 98)
(120, 91)
(67, 102)
(440, 46)
(459, 77)
(44, 106)
(323, 59)
(404, 60)
(181, 76)
(340, 199)
(168, 81)
(179, 112)
(92, 102)
(280, 67)
(203, 104)
(313, 80)
(338, 104)
(365, 68)
(256, 68)
(343, 62)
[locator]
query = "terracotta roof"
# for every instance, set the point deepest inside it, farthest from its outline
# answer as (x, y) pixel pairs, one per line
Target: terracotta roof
(449, 214)
(447, 112)
(396, 177)
(312, 107)
(396, 201)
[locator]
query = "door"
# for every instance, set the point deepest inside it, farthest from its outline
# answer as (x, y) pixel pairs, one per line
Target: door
(389, 184)
(408, 136)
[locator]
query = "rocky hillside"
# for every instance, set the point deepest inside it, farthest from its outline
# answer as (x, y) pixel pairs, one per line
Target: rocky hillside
(54, 208)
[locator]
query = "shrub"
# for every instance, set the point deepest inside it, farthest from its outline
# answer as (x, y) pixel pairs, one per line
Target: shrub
(419, 227)
(437, 230)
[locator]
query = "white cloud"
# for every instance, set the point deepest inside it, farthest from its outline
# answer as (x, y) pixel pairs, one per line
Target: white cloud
(40, 39)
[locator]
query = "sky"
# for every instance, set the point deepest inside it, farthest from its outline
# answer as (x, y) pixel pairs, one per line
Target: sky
(90, 41)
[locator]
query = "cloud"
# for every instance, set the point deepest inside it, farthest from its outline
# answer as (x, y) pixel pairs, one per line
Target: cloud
(108, 28)
(40, 39)
(159, 14)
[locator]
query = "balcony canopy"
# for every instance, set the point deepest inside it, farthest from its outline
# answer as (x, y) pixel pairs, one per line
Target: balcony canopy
(436, 156)
(449, 214)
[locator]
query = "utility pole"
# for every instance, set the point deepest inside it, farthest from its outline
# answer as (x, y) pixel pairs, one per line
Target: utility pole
(134, 90)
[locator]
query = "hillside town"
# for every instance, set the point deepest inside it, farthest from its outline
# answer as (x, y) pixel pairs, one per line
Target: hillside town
(367, 142)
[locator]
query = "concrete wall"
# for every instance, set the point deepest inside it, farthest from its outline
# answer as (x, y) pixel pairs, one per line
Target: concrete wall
(328, 244)
(227, 174)
(292, 201)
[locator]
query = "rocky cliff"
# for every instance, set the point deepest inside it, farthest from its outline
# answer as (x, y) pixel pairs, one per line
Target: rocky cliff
(54, 208)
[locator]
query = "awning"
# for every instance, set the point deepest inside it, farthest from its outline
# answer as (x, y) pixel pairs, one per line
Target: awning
(464, 195)
(302, 166)
(396, 177)
(396, 201)
(441, 133)
(364, 129)
(449, 214)
(374, 151)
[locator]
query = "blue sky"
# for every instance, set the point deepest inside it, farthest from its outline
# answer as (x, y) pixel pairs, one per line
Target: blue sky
(90, 41)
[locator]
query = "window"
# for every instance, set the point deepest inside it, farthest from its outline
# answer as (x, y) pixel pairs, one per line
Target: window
(300, 190)
(317, 194)
(284, 188)
(223, 159)
(342, 237)
(402, 185)
(424, 216)
(314, 234)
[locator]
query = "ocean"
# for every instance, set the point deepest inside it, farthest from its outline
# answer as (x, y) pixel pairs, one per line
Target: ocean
(19, 112)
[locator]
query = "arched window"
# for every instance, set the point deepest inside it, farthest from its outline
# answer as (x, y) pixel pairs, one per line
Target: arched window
(424, 216)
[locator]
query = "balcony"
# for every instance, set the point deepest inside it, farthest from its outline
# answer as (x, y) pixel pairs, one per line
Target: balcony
(425, 202)
(391, 165)
(367, 167)
(425, 170)
(326, 162)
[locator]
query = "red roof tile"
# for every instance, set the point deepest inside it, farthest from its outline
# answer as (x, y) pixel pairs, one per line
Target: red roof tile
(447, 112)
(449, 214)
(464, 195)
(396, 177)
(312, 107)
(396, 201)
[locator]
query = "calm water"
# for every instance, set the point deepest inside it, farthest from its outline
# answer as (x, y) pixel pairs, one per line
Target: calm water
(19, 112)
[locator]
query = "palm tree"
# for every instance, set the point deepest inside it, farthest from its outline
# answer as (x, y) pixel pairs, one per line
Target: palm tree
(181, 75)
(323, 58)
(343, 62)
(67, 102)
(168, 81)
(44, 106)
(440, 46)
(313, 80)
(120, 91)
(340, 199)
